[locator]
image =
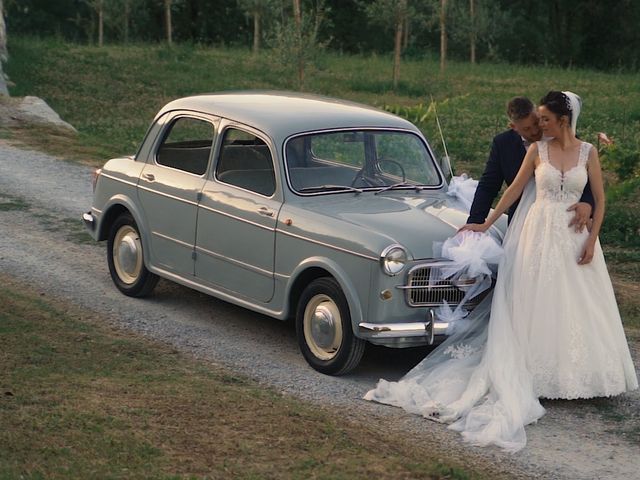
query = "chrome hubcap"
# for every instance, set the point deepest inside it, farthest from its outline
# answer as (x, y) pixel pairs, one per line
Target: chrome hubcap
(323, 327)
(127, 254)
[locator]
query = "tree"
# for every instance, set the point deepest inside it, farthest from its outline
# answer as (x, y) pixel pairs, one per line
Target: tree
(391, 14)
(474, 24)
(443, 34)
(258, 10)
(296, 39)
(167, 21)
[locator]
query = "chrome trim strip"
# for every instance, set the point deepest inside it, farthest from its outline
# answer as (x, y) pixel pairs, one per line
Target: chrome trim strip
(127, 182)
(395, 330)
(218, 293)
(244, 220)
(171, 239)
(281, 276)
(333, 247)
(173, 197)
(246, 266)
(96, 210)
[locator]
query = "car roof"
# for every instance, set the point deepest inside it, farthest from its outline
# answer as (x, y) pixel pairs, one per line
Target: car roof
(281, 114)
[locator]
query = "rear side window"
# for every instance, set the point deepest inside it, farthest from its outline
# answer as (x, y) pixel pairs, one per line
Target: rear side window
(246, 162)
(187, 145)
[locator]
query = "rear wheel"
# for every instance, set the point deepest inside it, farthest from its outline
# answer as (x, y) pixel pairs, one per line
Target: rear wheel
(126, 260)
(323, 327)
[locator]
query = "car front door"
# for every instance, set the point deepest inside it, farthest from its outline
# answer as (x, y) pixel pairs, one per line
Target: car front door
(237, 218)
(170, 186)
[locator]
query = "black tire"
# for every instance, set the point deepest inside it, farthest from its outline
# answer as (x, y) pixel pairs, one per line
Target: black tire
(323, 328)
(126, 259)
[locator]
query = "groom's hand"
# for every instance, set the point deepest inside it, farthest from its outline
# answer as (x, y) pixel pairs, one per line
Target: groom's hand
(582, 217)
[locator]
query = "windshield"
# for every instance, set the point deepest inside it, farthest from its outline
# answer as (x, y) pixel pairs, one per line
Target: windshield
(358, 160)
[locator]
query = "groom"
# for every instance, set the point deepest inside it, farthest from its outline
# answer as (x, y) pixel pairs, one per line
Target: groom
(507, 152)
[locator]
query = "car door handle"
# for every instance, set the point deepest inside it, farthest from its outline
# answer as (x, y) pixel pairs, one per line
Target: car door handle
(149, 176)
(266, 212)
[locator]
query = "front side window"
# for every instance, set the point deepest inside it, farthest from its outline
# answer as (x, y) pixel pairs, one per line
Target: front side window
(245, 161)
(365, 159)
(187, 145)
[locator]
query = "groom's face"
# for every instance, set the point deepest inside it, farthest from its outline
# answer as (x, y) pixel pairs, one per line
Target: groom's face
(528, 127)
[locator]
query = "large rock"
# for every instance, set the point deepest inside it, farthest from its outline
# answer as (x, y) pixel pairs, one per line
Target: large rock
(35, 110)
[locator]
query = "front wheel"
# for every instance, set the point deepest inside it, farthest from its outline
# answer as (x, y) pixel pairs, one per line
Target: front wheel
(126, 260)
(323, 328)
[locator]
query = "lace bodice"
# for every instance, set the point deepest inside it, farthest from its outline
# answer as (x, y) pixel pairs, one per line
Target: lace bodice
(555, 185)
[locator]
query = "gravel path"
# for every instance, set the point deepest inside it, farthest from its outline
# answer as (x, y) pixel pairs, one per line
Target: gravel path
(590, 439)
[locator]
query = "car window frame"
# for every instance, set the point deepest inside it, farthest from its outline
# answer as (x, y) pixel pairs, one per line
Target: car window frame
(165, 131)
(227, 124)
(355, 129)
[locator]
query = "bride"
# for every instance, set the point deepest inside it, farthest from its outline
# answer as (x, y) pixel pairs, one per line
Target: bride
(552, 327)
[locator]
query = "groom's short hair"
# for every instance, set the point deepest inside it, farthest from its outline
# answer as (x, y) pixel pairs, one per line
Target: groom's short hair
(519, 108)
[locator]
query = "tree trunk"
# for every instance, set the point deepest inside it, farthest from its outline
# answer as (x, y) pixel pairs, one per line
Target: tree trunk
(167, 21)
(127, 14)
(256, 32)
(397, 51)
(405, 33)
(443, 34)
(297, 15)
(100, 23)
(472, 32)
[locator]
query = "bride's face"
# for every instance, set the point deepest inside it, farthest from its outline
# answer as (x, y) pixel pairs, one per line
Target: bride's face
(551, 123)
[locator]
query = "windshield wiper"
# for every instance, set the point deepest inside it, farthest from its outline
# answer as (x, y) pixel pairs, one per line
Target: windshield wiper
(400, 185)
(320, 188)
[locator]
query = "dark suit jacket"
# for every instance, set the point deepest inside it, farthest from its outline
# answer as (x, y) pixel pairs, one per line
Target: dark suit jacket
(505, 159)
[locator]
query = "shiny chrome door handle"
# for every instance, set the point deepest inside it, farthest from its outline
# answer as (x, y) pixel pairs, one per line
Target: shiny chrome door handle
(149, 176)
(264, 211)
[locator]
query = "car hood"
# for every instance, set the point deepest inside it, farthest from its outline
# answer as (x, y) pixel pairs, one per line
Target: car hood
(414, 220)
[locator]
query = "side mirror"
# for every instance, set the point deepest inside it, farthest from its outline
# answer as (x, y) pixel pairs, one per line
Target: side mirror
(445, 165)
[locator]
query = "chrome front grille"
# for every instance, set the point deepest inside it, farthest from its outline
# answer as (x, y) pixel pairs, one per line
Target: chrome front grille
(427, 287)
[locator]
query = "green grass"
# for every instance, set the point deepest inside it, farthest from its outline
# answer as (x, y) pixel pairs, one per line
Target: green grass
(81, 400)
(111, 94)
(11, 202)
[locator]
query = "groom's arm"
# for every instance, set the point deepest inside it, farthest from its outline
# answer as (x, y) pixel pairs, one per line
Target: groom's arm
(488, 187)
(587, 196)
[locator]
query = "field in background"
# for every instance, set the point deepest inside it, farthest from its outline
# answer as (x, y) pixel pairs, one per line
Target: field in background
(111, 94)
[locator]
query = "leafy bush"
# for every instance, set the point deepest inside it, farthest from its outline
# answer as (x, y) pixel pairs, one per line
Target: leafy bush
(624, 161)
(622, 219)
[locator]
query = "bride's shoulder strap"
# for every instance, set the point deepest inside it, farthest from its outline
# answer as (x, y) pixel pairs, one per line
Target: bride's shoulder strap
(585, 148)
(543, 151)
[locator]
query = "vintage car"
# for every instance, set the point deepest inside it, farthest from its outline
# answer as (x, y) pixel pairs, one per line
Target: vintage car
(290, 205)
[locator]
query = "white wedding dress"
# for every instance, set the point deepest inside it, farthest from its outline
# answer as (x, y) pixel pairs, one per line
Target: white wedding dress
(554, 329)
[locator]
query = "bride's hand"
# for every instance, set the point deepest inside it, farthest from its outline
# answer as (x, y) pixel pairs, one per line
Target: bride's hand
(587, 252)
(474, 227)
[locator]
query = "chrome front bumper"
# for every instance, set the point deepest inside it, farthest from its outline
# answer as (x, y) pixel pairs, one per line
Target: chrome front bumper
(89, 221)
(426, 330)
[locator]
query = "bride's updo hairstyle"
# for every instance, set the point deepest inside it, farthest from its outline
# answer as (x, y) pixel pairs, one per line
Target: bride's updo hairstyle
(563, 104)
(558, 103)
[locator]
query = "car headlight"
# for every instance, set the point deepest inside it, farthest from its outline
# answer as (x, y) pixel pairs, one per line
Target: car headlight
(393, 259)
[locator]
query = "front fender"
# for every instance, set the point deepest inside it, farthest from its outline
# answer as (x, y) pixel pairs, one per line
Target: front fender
(336, 271)
(112, 209)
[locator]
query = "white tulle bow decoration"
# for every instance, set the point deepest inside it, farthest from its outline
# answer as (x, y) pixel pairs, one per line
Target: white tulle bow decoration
(474, 253)
(462, 188)
(471, 260)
